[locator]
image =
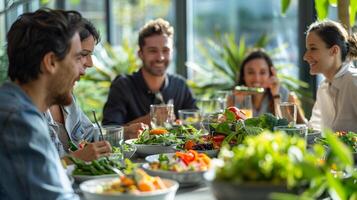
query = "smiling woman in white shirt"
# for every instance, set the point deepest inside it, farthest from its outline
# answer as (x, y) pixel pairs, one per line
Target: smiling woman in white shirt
(330, 51)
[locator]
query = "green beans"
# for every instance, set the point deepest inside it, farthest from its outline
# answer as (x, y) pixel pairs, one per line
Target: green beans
(96, 167)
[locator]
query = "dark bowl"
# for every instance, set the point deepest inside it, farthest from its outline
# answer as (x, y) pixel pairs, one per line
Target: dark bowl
(311, 137)
(242, 191)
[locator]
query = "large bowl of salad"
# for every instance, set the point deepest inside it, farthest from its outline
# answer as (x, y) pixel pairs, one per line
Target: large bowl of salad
(154, 141)
(187, 168)
(143, 150)
(136, 186)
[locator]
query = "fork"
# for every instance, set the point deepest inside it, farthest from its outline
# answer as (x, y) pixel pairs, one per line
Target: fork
(117, 171)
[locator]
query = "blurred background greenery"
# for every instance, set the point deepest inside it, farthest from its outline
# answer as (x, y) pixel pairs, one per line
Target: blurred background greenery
(211, 38)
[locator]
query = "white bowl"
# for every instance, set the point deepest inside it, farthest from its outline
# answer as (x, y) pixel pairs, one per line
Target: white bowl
(185, 179)
(150, 149)
(90, 188)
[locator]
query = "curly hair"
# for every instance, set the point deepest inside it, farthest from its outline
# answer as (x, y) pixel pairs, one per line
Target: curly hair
(155, 27)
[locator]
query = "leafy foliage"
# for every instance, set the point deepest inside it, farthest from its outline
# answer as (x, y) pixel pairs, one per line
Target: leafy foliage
(322, 8)
(284, 6)
(277, 158)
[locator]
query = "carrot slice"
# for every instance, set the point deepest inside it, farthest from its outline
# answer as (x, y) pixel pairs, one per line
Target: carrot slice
(158, 131)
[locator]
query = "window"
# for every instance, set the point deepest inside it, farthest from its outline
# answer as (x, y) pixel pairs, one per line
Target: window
(94, 11)
(130, 16)
(248, 19)
(2, 26)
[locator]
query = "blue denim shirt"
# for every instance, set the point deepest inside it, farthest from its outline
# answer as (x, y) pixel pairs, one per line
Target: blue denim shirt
(77, 125)
(30, 166)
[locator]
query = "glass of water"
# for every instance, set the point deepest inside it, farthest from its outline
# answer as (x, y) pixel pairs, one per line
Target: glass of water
(288, 111)
(162, 115)
(190, 116)
(209, 106)
(114, 134)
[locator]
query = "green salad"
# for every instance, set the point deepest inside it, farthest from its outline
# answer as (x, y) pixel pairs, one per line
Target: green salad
(349, 138)
(166, 139)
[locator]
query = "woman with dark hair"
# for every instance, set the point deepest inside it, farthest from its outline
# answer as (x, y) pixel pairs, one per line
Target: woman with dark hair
(257, 70)
(329, 51)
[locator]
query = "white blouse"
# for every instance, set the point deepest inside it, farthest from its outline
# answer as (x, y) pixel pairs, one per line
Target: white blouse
(336, 102)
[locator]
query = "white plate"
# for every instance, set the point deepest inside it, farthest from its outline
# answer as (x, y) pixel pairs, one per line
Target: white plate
(90, 188)
(150, 149)
(185, 179)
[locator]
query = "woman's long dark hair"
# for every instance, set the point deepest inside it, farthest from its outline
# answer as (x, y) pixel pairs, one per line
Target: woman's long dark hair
(257, 54)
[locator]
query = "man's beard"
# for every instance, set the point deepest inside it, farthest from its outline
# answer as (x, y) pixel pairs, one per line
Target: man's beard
(155, 72)
(61, 99)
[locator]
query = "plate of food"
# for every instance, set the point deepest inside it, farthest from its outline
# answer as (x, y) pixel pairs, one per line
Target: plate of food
(154, 141)
(208, 147)
(143, 150)
(135, 186)
(187, 168)
(96, 169)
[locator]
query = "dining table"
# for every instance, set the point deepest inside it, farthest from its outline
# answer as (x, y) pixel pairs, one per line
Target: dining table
(199, 192)
(194, 192)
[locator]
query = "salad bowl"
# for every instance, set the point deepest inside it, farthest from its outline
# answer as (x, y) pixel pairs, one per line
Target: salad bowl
(92, 190)
(143, 150)
(185, 178)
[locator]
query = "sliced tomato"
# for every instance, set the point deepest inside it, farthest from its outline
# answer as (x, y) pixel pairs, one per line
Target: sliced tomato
(218, 138)
(188, 157)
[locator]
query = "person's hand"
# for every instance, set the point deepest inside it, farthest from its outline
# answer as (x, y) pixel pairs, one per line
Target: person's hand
(134, 130)
(273, 82)
(93, 151)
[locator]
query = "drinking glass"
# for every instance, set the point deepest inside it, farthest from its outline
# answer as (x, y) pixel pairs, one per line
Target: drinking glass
(288, 111)
(209, 106)
(162, 115)
(222, 97)
(114, 134)
(244, 103)
(190, 116)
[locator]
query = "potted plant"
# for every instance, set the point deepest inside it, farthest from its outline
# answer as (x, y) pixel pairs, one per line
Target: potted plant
(275, 162)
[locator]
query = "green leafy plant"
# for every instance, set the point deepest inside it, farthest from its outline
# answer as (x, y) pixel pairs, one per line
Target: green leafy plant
(329, 176)
(347, 9)
(277, 158)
